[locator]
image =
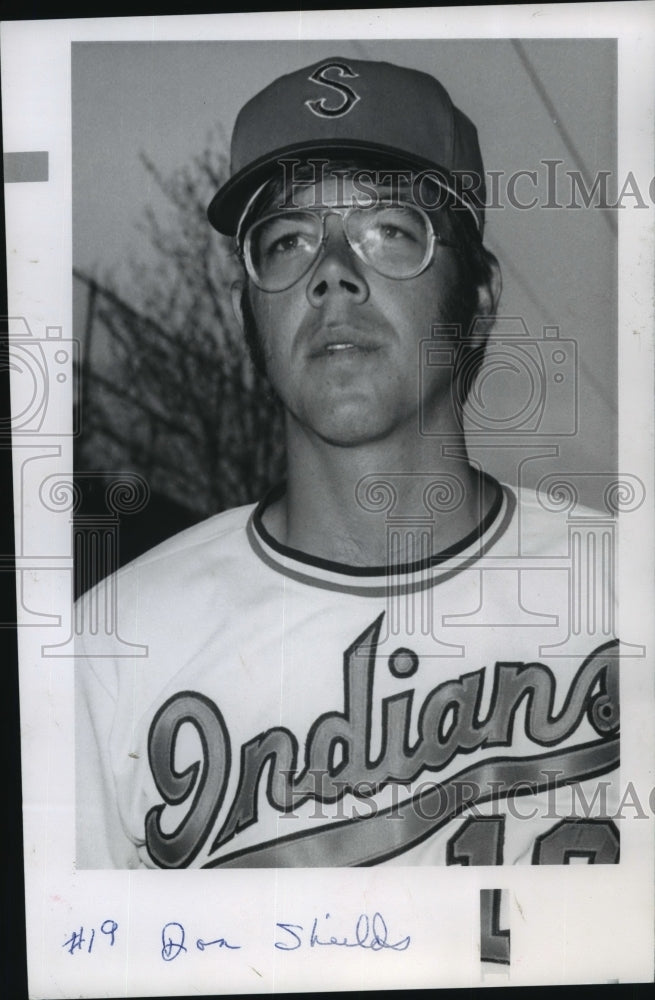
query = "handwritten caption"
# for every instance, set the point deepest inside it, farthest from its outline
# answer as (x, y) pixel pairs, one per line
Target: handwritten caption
(368, 933)
(78, 942)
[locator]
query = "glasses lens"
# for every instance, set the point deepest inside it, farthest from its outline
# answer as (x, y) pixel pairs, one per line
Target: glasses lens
(394, 239)
(281, 248)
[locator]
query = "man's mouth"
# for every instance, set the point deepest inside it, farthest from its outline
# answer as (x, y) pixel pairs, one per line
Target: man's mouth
(342, 337)
(339, 347)
(343, 347)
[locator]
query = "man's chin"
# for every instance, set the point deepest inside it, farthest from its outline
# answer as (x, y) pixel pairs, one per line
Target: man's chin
(351, 433)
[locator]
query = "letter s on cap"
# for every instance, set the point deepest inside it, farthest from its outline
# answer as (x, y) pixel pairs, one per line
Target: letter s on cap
(349, 98)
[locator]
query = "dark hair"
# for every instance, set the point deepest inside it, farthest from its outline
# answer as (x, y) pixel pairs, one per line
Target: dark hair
(476, 268)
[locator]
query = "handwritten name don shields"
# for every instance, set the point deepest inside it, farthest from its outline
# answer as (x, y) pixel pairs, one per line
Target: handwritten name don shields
(369, 933)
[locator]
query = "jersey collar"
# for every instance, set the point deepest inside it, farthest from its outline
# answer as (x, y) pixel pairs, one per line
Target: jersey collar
(377, 581)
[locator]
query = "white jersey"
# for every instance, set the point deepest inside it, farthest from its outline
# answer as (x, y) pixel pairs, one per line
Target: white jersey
(281, 710)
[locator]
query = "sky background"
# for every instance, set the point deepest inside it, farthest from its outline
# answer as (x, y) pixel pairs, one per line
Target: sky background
(559, 266)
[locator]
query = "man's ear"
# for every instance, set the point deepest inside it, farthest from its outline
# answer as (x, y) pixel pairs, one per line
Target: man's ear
(237, 308)
(488, 297)
(489, 292)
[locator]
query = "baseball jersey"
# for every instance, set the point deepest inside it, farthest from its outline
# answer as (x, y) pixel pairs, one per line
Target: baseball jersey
(242, 704)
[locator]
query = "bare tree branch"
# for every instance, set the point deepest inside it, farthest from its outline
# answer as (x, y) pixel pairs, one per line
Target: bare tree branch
(175, 397)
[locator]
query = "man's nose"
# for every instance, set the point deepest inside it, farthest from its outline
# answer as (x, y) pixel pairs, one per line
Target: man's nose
(338, 268)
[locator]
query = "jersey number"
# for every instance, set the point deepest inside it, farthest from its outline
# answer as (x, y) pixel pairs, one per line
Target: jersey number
(480, 842)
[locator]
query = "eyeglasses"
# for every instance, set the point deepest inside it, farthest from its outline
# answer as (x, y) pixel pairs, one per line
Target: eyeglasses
(396, 239)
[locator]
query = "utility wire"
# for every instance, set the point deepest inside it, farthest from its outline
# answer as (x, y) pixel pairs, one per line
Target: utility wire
(517, 274)
(570, 145)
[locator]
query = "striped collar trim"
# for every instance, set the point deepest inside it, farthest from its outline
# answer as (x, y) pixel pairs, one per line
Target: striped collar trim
(380, 581)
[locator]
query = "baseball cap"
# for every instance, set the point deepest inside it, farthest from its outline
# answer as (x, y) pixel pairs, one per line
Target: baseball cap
(344, 107)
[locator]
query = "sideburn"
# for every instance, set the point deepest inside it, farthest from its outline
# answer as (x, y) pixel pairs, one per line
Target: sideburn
(253, 340)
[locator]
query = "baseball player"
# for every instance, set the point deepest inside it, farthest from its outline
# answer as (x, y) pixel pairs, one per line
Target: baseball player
(383, 660)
